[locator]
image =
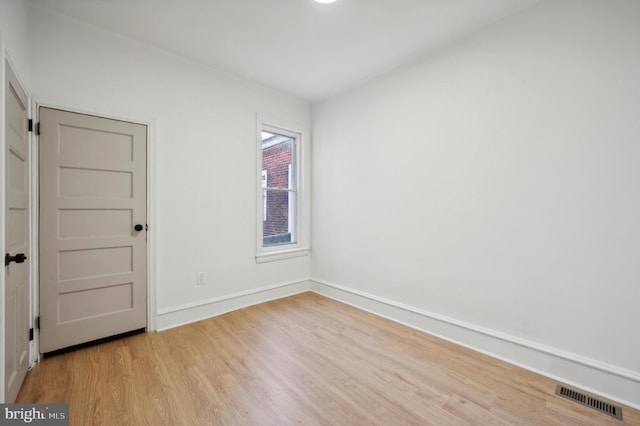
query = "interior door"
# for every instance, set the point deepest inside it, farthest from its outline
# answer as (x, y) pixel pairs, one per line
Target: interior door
(16, 321)
(93, 209)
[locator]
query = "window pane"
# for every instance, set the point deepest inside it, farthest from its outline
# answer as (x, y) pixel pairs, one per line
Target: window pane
(278, 226)
(277, 160)
(279, 186)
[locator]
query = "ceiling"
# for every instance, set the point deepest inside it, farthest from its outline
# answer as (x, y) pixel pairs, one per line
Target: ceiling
(304, 48)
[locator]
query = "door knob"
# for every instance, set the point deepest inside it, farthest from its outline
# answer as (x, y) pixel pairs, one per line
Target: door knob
(138, 227)
(18, 258)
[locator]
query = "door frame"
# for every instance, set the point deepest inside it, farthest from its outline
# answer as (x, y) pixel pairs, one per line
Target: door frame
(151, 200)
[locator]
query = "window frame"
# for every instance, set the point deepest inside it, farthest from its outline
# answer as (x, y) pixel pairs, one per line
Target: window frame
(301, 205)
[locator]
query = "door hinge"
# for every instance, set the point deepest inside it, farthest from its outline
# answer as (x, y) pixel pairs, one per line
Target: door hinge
(30, 334)
(38, 323)
(30, 126)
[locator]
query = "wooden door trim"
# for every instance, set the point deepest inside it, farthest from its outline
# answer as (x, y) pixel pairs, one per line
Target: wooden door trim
(151, 200)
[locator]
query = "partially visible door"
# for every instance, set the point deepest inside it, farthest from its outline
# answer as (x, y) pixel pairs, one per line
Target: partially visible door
(16, 319)
(93, 256)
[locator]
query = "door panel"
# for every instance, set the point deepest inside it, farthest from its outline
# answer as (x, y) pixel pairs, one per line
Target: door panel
(92, 194)
(17, 236)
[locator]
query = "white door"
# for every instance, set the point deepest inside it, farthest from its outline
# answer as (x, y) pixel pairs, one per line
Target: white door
(93, 209)
(17, 236)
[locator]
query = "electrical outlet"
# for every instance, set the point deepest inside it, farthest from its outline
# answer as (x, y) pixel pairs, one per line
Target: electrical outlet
(202, 278)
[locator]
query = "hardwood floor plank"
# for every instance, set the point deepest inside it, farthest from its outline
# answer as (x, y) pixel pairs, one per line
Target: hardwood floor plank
(465, 409)
(305, 359)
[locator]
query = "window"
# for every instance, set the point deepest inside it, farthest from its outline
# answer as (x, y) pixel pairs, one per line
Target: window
(281, 224)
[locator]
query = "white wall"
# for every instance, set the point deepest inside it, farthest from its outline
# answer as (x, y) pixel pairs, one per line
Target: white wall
(204, 135)
(14, 28)
(496, 183)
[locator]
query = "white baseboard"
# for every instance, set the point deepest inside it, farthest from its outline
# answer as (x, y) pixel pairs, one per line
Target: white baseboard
(609, 381)
(184, 314)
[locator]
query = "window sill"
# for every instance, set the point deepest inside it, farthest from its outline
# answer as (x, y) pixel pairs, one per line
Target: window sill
(281, 255)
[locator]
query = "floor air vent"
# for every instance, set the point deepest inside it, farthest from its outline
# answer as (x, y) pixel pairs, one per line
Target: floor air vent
(596, 404)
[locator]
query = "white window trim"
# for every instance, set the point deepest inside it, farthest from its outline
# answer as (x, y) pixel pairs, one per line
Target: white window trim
(302, 208)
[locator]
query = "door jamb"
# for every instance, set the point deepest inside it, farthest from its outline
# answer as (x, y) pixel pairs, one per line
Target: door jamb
(34, 276)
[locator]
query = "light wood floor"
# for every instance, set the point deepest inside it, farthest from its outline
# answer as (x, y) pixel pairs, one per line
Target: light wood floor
(305, 359)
